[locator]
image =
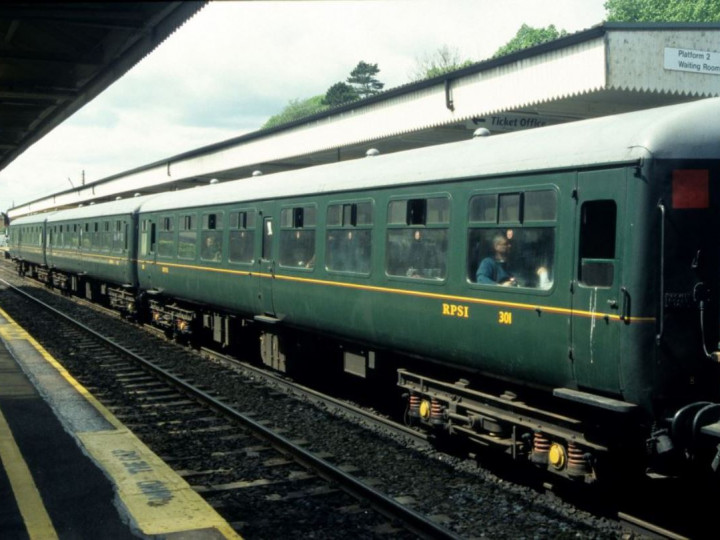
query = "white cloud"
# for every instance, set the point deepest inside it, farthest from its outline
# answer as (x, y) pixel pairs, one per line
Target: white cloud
(234, 64)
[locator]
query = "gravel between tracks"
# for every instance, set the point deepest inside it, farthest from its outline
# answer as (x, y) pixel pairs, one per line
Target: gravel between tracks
(474, 502)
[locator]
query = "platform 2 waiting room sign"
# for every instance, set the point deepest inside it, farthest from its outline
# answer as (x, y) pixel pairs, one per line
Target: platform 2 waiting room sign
(691, 60)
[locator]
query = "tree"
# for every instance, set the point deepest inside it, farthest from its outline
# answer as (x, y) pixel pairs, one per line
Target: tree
(663, 10)
(360, 84)
(296, 109)
(339, 93)
(444, 60)
(363, 80)
(528, 36)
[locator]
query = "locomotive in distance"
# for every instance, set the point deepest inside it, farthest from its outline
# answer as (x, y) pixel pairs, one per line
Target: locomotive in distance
(552, 293)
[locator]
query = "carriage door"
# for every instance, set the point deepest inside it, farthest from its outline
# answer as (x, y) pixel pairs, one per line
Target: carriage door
(267, 267)
(598, 300)
(147, 249)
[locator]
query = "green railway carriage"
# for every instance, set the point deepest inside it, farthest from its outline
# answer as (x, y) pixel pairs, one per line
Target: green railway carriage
(91, 250)
(607, 218)
(552, 292)
(576, 198)
(26, 242)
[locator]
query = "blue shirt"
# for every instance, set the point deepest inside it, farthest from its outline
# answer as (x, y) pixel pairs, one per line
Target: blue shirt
(492, 271)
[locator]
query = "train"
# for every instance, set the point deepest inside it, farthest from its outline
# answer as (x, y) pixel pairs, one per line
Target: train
(550, 293)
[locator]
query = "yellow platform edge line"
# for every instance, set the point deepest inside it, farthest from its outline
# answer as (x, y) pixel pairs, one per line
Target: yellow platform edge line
(37, 521)
(157, 499)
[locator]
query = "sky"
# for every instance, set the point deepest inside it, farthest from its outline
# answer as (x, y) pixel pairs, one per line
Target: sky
(235, 64)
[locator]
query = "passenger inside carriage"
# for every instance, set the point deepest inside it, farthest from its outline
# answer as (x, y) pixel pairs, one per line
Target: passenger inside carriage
(348, 251)
(211, 248)
(512, 258)
(494, 269)
(422, 253)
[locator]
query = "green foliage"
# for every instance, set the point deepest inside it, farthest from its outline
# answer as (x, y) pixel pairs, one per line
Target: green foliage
(361, 83)
(443, 60)
(663, 10)
(339, 93)
(441, 70)
(363, 80)
(528, 36)
(296, 109)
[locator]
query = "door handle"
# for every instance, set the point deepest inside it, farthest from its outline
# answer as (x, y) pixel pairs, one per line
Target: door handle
(625, 313)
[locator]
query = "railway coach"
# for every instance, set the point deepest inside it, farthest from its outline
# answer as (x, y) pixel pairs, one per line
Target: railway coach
(91, 251)
(552, 293)
(26, 243)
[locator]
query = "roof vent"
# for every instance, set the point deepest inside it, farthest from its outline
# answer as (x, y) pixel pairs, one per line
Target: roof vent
(214, 181)
(372, 152)
(481, 132)
(257, 173)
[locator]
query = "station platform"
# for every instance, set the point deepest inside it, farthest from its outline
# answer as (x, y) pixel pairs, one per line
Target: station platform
(70, 469)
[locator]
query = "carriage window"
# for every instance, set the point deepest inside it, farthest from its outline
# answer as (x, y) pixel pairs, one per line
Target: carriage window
(506, 245)
(96, 236)
(85, 236)
(107, 236)
(540, 206)
(597, 243)
(518, 257)
(416, 212)
(211, 237)
(187, 237)
(483, 209)
(349, 235)
(267, 236)
(437, 211)
(334, 215)
(417, 238)
(298, 218)
(242, 236)
(509, 208)
(397, 213)
(297, 237)
(118, 236)
(166, 236)
(147, 237)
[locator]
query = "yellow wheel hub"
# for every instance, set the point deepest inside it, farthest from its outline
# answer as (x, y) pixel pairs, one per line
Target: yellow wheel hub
(425, 409)
(557, 457)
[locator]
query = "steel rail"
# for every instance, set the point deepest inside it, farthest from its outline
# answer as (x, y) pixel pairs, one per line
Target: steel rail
(304, 391)
(647, 529)
(413, 521)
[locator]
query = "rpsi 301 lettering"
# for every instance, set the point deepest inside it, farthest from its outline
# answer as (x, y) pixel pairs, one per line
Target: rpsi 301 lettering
(453, 310)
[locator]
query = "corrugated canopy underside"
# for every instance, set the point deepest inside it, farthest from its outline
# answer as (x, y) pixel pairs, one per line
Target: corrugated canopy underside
(55, 57)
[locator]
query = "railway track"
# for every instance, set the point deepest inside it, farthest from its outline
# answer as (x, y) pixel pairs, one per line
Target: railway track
(644, 529)
(172, 400)
(362, 414)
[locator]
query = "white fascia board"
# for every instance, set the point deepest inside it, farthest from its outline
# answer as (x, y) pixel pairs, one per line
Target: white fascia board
(579, 69)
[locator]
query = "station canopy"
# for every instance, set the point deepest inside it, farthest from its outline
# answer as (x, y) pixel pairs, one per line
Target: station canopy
(608, 69)
(56, 57)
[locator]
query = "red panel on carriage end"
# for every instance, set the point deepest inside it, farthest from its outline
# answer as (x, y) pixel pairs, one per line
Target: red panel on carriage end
(690, 188)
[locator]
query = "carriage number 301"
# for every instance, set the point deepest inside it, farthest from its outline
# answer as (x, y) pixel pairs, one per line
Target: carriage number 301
(504, 317)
